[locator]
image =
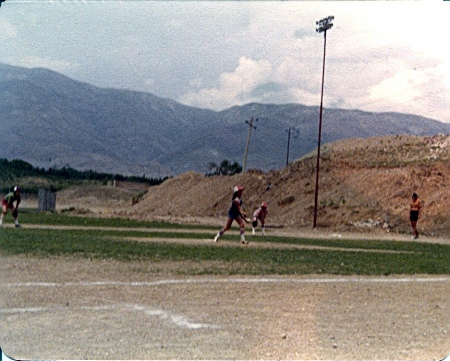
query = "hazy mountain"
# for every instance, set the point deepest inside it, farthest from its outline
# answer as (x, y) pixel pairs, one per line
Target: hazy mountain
(50, 120)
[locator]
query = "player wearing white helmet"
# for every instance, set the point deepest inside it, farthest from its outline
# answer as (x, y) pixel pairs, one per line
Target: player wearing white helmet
(260, 214)
(235, 214)
(8, 205)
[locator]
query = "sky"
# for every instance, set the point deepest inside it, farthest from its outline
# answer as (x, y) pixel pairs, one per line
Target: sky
(381, 56)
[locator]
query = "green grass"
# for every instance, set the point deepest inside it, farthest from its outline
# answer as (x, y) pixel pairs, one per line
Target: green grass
(29, 216)
(209, 258)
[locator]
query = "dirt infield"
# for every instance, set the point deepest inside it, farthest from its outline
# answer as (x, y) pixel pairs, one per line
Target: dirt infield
(85, 309)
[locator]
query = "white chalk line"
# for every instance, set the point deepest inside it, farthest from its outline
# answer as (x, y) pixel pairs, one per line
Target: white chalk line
(178, 320)
(228, 280)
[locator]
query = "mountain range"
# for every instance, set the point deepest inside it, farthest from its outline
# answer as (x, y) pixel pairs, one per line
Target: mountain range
(50, 120)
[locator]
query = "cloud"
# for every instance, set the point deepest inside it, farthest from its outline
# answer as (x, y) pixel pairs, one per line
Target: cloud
(7, 29)
(235, 87)
(402, 87)
(149, 82)
(37, 62)
(413, 91)
(381, 56)
(196, 82)
(247, 75)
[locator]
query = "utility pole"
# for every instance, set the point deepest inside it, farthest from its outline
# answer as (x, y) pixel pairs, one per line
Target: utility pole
(250, 127)
(323, 25)
(289, 139)
(294, 131)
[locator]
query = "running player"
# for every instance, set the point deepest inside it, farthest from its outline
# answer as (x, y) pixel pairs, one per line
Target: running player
(260, 214)
(8, 204)
(414, 214)
(235, 214)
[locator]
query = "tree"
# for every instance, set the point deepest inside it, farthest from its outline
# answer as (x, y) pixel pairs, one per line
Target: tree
(224, 168)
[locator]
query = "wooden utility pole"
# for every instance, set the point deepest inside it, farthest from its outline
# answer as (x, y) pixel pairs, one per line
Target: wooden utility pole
(250, 127)
(289, 140)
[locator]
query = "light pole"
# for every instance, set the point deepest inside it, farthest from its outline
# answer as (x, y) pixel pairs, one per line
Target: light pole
(250, 127)
(322, 26)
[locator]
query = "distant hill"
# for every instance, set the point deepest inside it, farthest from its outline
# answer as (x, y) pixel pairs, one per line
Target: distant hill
(50, 120)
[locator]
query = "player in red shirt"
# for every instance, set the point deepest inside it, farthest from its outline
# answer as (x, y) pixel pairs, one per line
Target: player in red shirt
(8, 205)
(260, 214)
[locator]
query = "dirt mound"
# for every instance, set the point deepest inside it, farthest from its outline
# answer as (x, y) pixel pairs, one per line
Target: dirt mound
(364, 183)
(94, 199)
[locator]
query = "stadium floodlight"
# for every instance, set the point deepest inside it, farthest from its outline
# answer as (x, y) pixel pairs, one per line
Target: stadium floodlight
(323, 25)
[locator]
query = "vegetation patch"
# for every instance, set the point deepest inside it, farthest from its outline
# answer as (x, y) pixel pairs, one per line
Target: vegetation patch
(208, 258)
(31, 216)
(32, 178)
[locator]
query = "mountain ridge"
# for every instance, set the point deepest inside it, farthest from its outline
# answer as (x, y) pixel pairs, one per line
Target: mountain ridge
(50, 120)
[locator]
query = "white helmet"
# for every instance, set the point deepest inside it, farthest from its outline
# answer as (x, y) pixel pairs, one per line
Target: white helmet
(238, 188)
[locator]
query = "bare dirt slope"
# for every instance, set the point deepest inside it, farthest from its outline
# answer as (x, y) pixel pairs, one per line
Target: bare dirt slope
(365, 185)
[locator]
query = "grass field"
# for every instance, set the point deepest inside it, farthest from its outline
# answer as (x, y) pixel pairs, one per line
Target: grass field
(101, 238)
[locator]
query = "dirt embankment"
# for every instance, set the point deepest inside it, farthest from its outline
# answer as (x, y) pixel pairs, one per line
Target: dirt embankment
(362, 185)
(365, 185)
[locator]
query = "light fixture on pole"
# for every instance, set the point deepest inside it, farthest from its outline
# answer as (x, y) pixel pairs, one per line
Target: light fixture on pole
(322, 26)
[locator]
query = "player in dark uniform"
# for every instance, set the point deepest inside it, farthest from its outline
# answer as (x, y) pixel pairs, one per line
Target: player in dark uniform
(8, 205)
(235, 214)
(414, 214)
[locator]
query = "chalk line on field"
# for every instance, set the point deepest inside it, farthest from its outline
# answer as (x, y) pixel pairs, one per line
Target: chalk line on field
(228, 280)
(178, 320)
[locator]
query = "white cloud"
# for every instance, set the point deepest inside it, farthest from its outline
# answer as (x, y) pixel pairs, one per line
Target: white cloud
(247, 75)
(413, 91)
(381, 55)
(234, 87)
(37, 62)
(149, 82)
(299, 95)
(401, 88)
(7, 29)
(196, 82)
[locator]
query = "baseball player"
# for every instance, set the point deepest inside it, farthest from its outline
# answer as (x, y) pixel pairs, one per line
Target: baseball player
(260, 214)
(414, 214)
(8, 205)
(235, 214)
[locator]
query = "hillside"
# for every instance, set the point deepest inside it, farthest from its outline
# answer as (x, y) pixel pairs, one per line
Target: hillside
(52, 121)
(365, 185)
